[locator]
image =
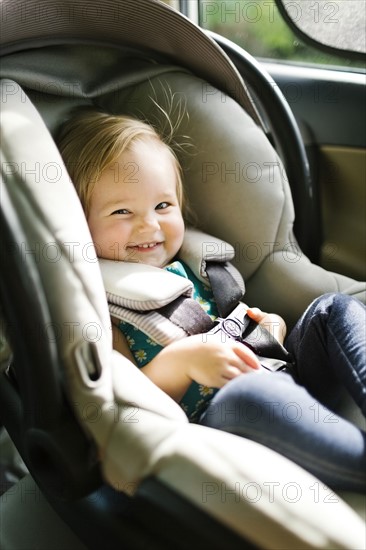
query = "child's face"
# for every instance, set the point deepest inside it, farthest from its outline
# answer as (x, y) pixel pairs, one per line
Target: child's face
(134, 214)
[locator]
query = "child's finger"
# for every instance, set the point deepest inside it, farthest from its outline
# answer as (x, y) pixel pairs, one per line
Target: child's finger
(254, 310)
(232, 372)
(256, 313)
(246, 355)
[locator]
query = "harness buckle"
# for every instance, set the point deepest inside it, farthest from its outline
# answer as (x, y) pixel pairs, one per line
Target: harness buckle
(240, 327)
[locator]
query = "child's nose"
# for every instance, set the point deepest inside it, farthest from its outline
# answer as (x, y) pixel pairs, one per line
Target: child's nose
(149, 222)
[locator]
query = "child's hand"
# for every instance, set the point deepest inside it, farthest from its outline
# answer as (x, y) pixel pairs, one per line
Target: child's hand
(271, 321)
(202, 358)
(213, 362)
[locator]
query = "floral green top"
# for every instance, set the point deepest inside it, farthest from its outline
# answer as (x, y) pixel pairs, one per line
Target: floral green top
(144, 349)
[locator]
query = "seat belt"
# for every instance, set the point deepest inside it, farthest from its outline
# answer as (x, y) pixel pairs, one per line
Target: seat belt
(226, 290)
(189, 315)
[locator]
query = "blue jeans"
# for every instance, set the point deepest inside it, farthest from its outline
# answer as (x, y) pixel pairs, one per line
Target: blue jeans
(293, 414)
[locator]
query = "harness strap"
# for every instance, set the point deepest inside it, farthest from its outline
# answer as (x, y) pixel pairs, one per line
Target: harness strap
(187, 314)
(226, 290)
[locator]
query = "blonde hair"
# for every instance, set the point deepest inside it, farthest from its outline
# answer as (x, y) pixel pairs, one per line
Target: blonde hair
(91, 140)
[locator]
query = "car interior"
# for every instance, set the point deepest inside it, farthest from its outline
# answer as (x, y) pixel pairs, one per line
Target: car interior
(101, 457)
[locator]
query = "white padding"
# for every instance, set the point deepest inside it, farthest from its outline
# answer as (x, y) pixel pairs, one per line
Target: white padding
(141, 287)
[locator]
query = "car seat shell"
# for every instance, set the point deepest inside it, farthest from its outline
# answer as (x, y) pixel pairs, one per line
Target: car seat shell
(103, 389)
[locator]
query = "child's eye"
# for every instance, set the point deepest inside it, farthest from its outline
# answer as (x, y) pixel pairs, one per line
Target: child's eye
(121, 211)
(162, 205)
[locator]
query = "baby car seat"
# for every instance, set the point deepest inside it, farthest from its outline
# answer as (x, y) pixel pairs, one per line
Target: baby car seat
(113, 461)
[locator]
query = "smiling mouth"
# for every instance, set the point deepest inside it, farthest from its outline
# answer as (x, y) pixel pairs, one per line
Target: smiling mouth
(145, 247)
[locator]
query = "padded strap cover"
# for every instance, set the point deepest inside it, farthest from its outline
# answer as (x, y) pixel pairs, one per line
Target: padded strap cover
(141, 287)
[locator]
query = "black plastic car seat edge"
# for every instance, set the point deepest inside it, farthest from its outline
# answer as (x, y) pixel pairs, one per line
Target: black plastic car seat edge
(43, 427)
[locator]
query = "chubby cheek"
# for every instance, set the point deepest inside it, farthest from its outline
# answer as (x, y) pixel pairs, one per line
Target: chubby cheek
(176, 237)
(106, 243)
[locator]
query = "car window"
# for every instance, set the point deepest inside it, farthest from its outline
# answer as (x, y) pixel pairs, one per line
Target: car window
(258, 27)
(338, 24)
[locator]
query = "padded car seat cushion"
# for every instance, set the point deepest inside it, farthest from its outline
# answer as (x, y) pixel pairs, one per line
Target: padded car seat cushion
(139, 430)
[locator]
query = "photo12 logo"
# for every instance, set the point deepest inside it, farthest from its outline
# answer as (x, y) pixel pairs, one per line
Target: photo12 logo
(256, 10)
(290, 492)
